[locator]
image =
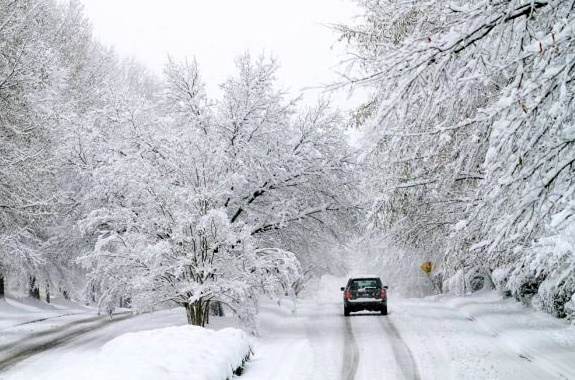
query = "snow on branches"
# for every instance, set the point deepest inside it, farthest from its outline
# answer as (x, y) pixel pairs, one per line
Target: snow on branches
(473, 122)
(197, 197)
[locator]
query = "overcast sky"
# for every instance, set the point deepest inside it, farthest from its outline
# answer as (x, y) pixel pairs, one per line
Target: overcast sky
(216, 31)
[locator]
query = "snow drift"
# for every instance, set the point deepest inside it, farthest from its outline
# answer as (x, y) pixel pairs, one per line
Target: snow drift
(182, 352)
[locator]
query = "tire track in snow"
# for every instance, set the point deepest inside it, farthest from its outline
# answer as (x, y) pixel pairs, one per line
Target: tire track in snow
(350, 353)
(401, 351)
(26, 351)
(48, 332)
(41, 320)
(325, 329)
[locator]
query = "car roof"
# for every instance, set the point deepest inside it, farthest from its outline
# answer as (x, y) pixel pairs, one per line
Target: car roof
(363, 276)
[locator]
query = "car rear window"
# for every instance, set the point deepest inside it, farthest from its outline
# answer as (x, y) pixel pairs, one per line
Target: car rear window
(363, 283)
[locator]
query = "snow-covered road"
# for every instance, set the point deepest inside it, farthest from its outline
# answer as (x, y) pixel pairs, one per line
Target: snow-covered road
(476, 337)
(48, 340)
(23, 341)
(481, 336)
(318, 342)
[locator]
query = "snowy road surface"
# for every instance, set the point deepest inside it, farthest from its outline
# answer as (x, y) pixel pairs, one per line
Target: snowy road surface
(475, 337)
(38, 347)
(21, 341)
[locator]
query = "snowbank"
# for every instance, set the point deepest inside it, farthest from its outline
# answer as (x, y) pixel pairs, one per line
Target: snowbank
(182, 352)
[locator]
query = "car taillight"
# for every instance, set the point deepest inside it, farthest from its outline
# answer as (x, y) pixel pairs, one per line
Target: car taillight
(347, 294)
(383, 293)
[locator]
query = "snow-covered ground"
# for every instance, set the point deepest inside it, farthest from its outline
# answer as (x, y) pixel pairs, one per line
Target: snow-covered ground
(60, 342)
(480, 336)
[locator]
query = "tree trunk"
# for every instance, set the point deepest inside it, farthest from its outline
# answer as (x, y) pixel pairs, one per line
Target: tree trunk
(489, 278)
(207, 313)
(33, 289)
(2, 294)
(125, 302)
(196, 312)
(216, 308)
(47, 292)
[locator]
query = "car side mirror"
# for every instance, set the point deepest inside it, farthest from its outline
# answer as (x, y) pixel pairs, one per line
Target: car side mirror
(386, 287)
(342, 288)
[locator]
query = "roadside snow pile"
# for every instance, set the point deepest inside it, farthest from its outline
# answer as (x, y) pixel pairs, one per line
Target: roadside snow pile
(182, 352)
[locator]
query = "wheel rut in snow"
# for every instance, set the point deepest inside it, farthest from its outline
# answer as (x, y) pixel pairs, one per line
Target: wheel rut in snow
(28, 350)
(350, 353)
(401, 351)
(40, 320)
(53, 331)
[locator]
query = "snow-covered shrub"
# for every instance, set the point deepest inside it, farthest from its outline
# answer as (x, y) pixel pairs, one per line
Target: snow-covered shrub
(570, 308)
(467, 281)
(553, 294)
(523, 286)
(437, 280)
(559, 286)
(500, 277)
(455, 284)
(475, 279)
(547, 269)
(246, 309)
(558, 250)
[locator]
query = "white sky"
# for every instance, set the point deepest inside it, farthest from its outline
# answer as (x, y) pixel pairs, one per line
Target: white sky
(217, 31)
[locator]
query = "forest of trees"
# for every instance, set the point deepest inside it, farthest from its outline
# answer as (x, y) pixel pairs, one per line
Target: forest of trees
(117, 185)
(469, 139)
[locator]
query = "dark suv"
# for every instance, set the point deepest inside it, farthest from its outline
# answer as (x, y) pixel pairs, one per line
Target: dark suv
(364, 293)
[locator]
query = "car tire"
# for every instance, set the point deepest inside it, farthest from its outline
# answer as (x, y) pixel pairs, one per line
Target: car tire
(384, 310)
(346, 311)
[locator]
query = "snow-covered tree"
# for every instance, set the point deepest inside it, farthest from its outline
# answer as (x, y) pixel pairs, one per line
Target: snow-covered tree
(294, 165)
(61, 94)
(34, 37)
(201, 186)
(469, 135)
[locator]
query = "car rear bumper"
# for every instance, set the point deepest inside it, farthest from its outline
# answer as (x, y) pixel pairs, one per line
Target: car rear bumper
(357, 305)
